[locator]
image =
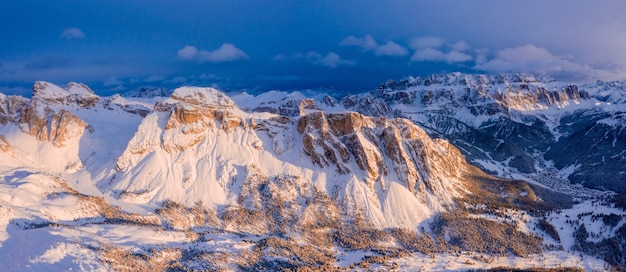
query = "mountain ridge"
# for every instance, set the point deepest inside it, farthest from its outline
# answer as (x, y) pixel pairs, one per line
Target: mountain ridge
(273, 181)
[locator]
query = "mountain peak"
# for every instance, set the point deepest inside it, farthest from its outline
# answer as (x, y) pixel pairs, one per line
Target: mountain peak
(467, 80)
(203, 96)
(48, 91)
(79, 89)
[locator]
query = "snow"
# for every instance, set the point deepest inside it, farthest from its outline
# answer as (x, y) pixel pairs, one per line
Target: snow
(468, 260)
(127, 160)
(401, 208)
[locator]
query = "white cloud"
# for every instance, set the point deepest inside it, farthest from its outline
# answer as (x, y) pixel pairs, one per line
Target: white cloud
(429, 54)
(456, 56)
(72, 33)
(188, 53)
(459, 46)
(367, 42)
(432, 49)
(312, 55)
(532, 59)
(481, 55)
(391, 49)
(112, 81)
(332, 60)
(426, 42)
(226, 52)
(279, 57)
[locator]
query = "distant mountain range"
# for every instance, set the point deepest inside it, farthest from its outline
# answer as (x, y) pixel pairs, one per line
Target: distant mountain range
(197, 179)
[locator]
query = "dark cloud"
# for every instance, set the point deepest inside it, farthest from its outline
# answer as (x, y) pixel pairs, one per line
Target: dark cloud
(50, 62)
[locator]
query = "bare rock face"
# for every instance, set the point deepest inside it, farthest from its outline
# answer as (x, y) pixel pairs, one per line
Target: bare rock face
(193, 111)
(46, 118)
(81, 95)
(189, 116)
(11, 108)
(5, 147)
(57, 128)
(73, 94)
(375, 144)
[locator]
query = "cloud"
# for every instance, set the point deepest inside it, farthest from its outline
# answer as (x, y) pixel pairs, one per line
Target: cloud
(481, 55)
(459, 46)
(50, 62)
(532, 59)
(367, 42)
(72, 33)
(429, 54)
(188, 53)
(226, 52)
(119, 88)
(391, 49)
(279, 57)
(112, 81)
(332, 60)
(426, 42)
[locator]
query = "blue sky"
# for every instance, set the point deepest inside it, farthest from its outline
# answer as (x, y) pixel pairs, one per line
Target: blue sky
(350, 46)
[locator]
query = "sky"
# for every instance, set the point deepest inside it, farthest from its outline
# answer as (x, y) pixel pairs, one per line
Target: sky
(348, 46)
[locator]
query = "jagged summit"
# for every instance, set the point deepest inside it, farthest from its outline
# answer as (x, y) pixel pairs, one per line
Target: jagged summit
(467, 80)
(204, 96)
(43, 89)
(73, 93)
(148, 92)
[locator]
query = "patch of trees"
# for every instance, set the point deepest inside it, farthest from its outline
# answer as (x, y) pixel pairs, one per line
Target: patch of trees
(512, 269)
(548, 228)
(612, 250)
(484, 236)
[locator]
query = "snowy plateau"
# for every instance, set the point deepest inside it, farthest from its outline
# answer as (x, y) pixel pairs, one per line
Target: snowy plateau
(450, 172)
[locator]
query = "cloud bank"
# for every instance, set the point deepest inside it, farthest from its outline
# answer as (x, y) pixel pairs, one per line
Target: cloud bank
(368, 43)
(433, 49)
(330, 60)
(225, 53)
(532, 59)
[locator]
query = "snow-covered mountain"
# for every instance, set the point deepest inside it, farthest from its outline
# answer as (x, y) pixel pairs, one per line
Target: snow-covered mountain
(201, 180)
(148, 92)
(505, 124)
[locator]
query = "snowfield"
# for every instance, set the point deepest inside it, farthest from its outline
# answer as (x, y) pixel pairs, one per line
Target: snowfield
(201, 180)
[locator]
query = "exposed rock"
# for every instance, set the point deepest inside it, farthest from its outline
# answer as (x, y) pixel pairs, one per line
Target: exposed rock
(11, 108)
(58, 128)
(336, 139)
(5, 147)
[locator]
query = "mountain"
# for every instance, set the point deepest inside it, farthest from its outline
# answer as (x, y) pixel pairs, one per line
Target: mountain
(201, 180)
(148, 92)
(505, 124)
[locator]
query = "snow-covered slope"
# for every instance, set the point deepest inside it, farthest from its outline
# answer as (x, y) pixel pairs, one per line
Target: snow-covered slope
(504, 124)
(193, 181)
(199, 146)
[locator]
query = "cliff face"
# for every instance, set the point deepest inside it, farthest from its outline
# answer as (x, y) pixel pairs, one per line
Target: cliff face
(198, 140)
(44, 119)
